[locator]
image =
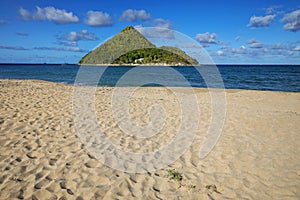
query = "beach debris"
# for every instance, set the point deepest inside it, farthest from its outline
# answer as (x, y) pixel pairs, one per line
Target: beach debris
(155, 189)
(16, 179)
(63, 185)
(174, 175)
(52, 161)
(191, 186)
(21, 194)
(28, 147)
(38, 186)
(18, 159)
(69, 191)
(32, 155)
(38, 176)
(212, 188)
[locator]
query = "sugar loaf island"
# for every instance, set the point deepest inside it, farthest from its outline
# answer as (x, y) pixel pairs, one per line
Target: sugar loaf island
(130, 47)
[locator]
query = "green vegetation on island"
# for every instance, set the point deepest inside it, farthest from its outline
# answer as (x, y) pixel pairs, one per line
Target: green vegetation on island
(151, 56)
(181, 53)
(131, 47)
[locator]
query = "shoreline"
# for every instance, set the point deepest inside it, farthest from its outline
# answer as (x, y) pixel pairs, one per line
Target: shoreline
(104, 86)
(203, 64)
(142, 65)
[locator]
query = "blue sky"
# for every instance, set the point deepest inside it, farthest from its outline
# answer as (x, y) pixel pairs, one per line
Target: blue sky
(57, 31)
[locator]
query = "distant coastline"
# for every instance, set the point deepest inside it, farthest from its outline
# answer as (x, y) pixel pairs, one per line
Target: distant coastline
(138, 65)
(132, 65)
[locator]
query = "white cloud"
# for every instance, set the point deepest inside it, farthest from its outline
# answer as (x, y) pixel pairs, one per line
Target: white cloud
(270, 10)
(293, 21)
(71, 39)
(259, 51)
(296, 48)
(188, 45)
(240, 50)
(261, 21)
(97, 18)
(49, 13)
(273, 10)
(206, 38)
(2, 22)
(135, 15)
(73, 49)
(22, 34)
(162, 23)
(69, 43)
(276, 46)
(237, 38)
(220, 53)
(232, 52)
(252, 40)
(13, 47)
(81, 35)
(161, 29)
(256, 45)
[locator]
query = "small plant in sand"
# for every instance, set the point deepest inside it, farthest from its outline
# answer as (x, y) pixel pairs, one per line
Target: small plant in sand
(174, 175)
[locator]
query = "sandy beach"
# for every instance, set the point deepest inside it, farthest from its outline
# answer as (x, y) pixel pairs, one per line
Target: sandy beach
(43, 157)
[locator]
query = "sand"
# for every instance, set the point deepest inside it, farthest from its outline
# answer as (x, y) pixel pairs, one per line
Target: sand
(42, 156)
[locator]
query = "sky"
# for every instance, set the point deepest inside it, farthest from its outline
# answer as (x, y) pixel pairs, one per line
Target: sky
(232, 32)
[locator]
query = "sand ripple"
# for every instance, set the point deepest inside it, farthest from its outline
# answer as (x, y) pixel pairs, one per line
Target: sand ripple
(42, 157)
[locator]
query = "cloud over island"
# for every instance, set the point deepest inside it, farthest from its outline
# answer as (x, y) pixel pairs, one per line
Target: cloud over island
(131, 15)
(98, 18)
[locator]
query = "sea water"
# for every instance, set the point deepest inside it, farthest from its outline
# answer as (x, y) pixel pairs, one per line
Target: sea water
(252, 77)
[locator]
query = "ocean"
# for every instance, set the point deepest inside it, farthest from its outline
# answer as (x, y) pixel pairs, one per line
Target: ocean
(251, 77)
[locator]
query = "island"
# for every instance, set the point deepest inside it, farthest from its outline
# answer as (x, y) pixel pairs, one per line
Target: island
(130, 47)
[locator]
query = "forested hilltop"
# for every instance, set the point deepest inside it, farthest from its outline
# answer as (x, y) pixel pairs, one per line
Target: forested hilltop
(131, 48)
(151, 56)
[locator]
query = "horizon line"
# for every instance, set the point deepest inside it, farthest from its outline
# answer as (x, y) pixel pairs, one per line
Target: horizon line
(66, 63)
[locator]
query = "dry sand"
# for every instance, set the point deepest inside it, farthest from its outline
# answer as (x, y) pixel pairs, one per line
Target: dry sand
(42, 157)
